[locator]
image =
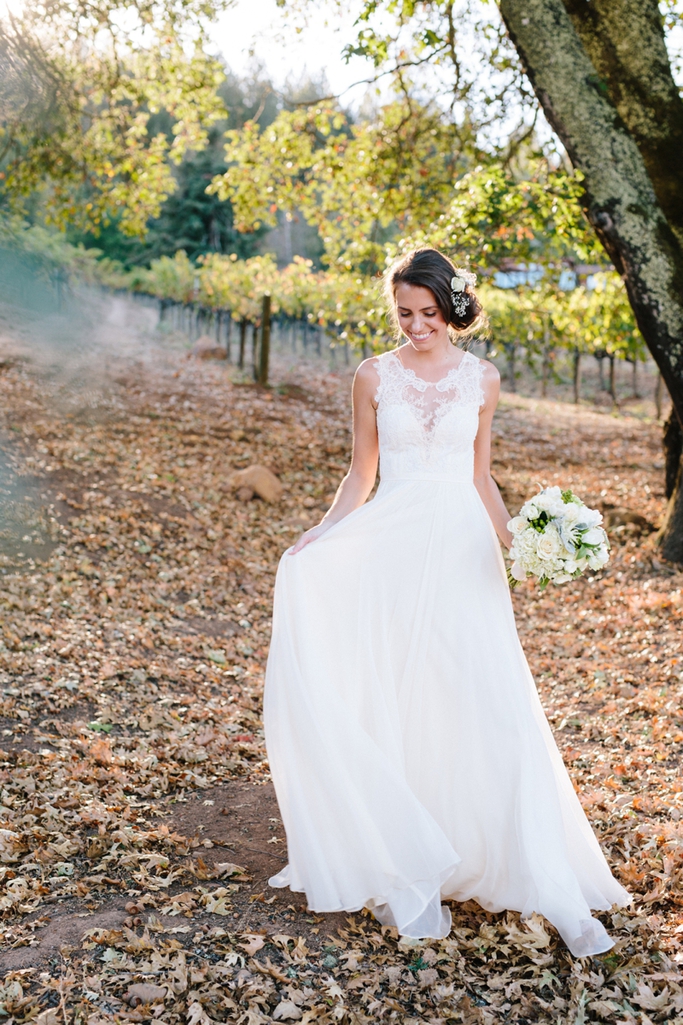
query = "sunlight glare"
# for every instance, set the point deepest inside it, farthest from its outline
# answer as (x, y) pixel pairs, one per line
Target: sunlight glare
(11, 7)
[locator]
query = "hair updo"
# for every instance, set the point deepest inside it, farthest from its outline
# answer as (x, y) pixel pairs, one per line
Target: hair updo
(428, 268)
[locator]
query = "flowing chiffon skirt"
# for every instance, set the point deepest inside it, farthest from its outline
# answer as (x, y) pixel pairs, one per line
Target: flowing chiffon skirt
(411, 757)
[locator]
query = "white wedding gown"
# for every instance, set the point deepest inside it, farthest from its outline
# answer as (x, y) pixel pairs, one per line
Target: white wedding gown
(410, 754)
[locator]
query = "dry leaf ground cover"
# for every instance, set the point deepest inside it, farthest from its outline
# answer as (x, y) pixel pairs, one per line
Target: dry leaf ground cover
(138, 826)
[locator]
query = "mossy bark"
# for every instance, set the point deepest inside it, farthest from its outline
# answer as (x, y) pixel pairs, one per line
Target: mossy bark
(593, 67)
(672, 443)
(625, 42)
(671, 532)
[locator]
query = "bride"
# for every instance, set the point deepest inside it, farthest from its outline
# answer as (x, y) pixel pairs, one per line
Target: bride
(410, 754)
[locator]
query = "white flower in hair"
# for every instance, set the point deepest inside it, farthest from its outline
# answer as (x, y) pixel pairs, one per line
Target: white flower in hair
(459, 298)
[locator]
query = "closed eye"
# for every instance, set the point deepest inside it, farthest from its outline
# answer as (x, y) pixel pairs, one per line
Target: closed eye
(409, 313)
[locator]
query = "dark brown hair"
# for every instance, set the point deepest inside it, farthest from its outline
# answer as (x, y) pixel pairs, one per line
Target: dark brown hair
(428, 268)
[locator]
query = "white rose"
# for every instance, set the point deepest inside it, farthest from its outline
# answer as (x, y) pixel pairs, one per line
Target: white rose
(517, 524)
(594, 536)
(571, 566)
(550, 500)
(530, 511)
(549, 544)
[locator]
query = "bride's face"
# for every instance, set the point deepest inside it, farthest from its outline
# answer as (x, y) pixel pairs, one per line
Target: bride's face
(419, 317)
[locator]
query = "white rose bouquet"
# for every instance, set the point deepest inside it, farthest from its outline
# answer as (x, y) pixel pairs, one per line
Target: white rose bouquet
(556, 538)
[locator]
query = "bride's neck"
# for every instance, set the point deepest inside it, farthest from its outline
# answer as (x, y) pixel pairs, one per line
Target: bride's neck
(436, 356)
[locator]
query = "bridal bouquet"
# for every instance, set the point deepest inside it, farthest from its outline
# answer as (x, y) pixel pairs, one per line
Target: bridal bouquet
(555, 538)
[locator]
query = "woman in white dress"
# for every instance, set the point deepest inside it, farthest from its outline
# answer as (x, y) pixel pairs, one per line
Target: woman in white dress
(410, 754)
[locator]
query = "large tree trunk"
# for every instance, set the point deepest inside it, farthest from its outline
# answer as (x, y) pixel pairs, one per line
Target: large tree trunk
(591, 115)
(672, 443)
(672, 528)
(624, 40)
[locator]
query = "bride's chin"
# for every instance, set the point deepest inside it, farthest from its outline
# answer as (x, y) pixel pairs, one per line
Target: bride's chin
(423, 343)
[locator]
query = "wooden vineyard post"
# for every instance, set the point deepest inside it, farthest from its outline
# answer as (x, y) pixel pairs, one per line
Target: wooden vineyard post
(265, 341)
(612, 378)
(577, 375)
(254, 350)
(228, 335)
(243, 339)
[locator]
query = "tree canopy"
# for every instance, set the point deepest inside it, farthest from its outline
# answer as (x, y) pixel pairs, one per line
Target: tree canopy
(81, 86)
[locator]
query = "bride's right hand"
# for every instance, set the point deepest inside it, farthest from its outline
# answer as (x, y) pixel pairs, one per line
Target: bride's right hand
(311, 535)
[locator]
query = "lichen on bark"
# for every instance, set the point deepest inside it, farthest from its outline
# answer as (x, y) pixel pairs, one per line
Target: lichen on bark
(624, 39)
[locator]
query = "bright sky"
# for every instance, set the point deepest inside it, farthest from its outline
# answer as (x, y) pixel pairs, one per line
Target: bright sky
(257, 28)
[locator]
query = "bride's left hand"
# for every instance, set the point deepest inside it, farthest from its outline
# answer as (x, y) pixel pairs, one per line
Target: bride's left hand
(311, 535)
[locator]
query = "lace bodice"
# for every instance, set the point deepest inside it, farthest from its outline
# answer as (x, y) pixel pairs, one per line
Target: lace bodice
(427, 430)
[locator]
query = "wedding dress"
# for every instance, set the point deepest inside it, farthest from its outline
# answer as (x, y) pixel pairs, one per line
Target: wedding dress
(411, 757)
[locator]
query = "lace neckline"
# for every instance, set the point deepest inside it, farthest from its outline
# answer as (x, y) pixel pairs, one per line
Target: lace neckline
(420, 383)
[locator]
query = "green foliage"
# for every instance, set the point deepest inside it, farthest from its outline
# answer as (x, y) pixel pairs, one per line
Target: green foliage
(458, 54)
(348, 305)
(600, 320)
(38, 265)
(496, 216)
(357, 183)
(191, 219)
(78, 112)
(544, 318)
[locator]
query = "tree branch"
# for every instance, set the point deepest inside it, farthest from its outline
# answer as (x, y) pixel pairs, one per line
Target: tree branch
(394, 70)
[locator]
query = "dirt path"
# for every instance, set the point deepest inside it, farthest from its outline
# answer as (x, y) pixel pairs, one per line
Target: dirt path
(138, 824)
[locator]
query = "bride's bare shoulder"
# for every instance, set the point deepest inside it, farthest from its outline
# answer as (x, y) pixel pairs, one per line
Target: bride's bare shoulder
(367, 372)
(490, 384)
(489, 372)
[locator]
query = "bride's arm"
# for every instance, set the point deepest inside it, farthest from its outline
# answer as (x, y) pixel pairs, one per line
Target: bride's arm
(483, 481)
(359, 481)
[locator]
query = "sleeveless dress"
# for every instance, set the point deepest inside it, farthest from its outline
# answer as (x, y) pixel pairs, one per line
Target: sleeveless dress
(411, 758)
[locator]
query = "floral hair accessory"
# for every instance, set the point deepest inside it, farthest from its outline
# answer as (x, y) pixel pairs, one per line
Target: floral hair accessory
(459, 297)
